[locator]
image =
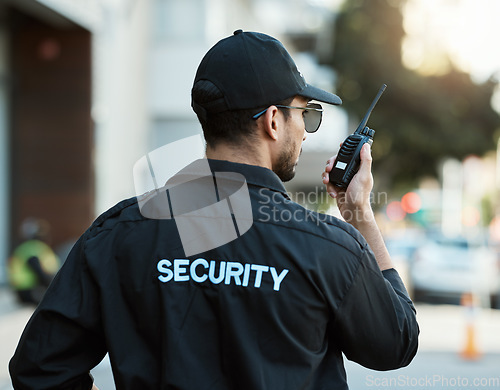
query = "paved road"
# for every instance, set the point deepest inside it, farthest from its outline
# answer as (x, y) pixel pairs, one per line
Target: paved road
(438, 364)
(431, 370)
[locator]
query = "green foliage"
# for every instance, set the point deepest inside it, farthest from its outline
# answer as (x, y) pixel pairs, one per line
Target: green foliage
(419, 120)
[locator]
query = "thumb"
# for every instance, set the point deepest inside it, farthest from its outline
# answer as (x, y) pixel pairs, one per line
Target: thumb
(364, 174)
(366, 158)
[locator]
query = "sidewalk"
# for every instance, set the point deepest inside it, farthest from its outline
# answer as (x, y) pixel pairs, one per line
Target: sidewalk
(442, 338)
(443, 328)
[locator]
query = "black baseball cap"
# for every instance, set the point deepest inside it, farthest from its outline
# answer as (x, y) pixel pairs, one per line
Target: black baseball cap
(253, 70)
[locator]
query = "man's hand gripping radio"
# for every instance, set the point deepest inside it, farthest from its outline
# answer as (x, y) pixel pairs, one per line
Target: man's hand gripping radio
(347, 162)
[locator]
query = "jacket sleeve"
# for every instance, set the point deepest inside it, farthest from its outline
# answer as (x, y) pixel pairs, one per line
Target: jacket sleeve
(63, 339)
(376, 324)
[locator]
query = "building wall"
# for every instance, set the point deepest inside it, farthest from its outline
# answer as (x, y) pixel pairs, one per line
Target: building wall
(121, 32)
(62, 163)
(51, 134)
(120, 109)
(4, 154)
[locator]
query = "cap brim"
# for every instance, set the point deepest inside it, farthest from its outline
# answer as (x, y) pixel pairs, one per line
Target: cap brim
(314, 93)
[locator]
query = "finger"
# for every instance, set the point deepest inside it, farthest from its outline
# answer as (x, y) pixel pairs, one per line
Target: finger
(332, 190)
(326, 173)
(364, 175)
(325, 177)
(329, 163)
(328, 168)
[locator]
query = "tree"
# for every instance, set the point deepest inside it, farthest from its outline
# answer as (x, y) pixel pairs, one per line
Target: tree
(419, 120)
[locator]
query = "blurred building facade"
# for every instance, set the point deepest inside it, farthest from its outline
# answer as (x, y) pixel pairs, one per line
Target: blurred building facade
(46, 131)
(87, 87)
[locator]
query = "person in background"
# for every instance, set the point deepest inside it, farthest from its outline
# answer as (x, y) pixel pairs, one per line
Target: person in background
(33, 263)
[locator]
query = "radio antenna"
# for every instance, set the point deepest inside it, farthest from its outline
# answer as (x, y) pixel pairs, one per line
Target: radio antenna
(368, 113)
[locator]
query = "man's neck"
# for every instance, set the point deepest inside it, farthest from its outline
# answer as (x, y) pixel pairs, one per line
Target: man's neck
(238, 154)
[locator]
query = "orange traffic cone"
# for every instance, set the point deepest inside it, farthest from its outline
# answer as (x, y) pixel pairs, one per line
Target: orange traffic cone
(470, 351)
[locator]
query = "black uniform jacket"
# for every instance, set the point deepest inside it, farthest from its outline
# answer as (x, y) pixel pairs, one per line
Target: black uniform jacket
(273, 309)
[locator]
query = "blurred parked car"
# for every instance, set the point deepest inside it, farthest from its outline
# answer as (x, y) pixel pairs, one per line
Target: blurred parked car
(402, 250)
(443, 269)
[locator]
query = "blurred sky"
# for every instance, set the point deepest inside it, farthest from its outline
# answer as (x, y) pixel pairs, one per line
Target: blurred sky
(466, 30)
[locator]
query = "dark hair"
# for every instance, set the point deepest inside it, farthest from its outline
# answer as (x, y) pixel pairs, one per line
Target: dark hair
(234, 126)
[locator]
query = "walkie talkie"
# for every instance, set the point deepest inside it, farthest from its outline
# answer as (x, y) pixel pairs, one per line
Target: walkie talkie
(347, 163)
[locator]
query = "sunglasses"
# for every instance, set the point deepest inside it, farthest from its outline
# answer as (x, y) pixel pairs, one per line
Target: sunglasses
(313, 113)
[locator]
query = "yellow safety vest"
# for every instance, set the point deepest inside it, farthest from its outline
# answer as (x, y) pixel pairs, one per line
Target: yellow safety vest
(21, 276)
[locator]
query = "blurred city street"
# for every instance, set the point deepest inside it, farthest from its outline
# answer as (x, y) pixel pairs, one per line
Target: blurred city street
(438, 364)
(91, 91)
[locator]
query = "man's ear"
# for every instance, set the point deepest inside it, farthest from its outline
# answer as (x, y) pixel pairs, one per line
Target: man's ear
(271, 123)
